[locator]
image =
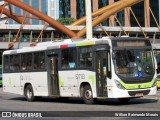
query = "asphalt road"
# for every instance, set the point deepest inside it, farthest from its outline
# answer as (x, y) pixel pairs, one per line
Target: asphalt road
(12, 102)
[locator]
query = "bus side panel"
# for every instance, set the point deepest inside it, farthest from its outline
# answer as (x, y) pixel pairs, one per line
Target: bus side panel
(14, 83)
(38, 81)
(11, 83)
(70, 81)
(86, 76)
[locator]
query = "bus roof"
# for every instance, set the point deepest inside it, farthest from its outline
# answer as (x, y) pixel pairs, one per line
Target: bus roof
(67, 43)
(57, 44)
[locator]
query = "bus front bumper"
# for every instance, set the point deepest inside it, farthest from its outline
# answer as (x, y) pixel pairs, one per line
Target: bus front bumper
(115, 92)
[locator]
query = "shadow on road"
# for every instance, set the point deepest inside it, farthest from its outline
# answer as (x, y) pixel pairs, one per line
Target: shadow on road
(112, 102)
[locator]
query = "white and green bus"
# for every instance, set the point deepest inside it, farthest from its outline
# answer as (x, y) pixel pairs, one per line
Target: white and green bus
(121, 68)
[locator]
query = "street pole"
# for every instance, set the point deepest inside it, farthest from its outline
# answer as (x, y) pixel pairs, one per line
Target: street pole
(88, 19)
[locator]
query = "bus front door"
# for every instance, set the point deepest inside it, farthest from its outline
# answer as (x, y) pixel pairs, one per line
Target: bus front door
(54, 85)
(101, 73)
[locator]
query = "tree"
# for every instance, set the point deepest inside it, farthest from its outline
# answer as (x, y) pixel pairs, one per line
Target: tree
(66, 21)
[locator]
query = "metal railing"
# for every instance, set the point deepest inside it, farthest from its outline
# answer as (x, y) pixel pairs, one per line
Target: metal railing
(7, 39)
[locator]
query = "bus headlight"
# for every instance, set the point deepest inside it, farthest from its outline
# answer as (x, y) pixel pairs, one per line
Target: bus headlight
(119, 85)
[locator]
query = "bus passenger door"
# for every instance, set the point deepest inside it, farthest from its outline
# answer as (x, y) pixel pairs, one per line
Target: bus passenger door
(101, 72)
(54, 85)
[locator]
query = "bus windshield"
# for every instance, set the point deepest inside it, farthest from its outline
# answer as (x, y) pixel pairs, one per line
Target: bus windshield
(133, 63)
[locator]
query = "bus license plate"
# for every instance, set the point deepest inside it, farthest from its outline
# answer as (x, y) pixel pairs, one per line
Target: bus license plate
(139, 95)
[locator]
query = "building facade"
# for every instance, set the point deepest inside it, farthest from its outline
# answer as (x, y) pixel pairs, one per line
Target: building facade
(76, 9)
(49, 7)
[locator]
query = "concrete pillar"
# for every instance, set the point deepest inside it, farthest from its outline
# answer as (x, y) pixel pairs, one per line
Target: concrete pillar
(88, 19)
(9, 40)
(127, 17)
(111, 19)
(73, 9)
(95, 5)
(146, 13)
(31, 37)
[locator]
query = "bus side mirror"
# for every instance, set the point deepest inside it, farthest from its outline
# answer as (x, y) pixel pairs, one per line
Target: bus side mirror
(155, 61)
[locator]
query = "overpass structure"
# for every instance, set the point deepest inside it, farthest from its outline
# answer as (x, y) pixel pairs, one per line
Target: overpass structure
(16, 33)
(26, 37)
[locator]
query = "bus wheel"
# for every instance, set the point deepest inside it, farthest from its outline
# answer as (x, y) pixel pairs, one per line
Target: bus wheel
(124, 100)
(87, 95)
(29, 93)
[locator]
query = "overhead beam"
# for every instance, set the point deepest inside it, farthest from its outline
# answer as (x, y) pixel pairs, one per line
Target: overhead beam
(97, 13)
(8, 13)
(42, 16)
(106, 15)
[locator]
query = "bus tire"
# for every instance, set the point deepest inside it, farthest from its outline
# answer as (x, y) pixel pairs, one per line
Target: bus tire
(29, 93)
(88, 95)
(124, 100)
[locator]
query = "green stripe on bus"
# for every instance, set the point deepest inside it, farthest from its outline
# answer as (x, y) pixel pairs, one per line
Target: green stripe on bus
(10, 81)
(91, 77)
(137, 85)
(61, 82)
(0, 82)
(85, 43)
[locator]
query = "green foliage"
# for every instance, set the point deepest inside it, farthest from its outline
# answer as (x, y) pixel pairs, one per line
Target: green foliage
(66, 21)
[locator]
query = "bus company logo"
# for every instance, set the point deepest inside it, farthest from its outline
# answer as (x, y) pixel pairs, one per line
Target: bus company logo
(25, 77)
(6, 114)
(80, 76)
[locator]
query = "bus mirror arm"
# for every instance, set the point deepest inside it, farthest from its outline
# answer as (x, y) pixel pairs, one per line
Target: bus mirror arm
(155, 61)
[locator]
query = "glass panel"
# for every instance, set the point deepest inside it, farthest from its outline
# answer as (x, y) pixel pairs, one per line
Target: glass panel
(102, 3)
(85, 57)
(26, 61)
(6, 63)
(134, 63)
(138, 10)
(155, 8)
(14, 62)
(69, 57)
(64, 8)
(52, 65)
(39, 60)
(35, 4)
(120, 16)
(42, 60)
(80, 8)
(158, 60)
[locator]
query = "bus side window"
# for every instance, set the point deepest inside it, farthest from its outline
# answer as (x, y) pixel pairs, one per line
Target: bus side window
(6, 63)
(36, 57)
(64, 64)
(39, 60)
(42, 60)
(14, 63)
(85, 57)
(69, 58)
(26, 61)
